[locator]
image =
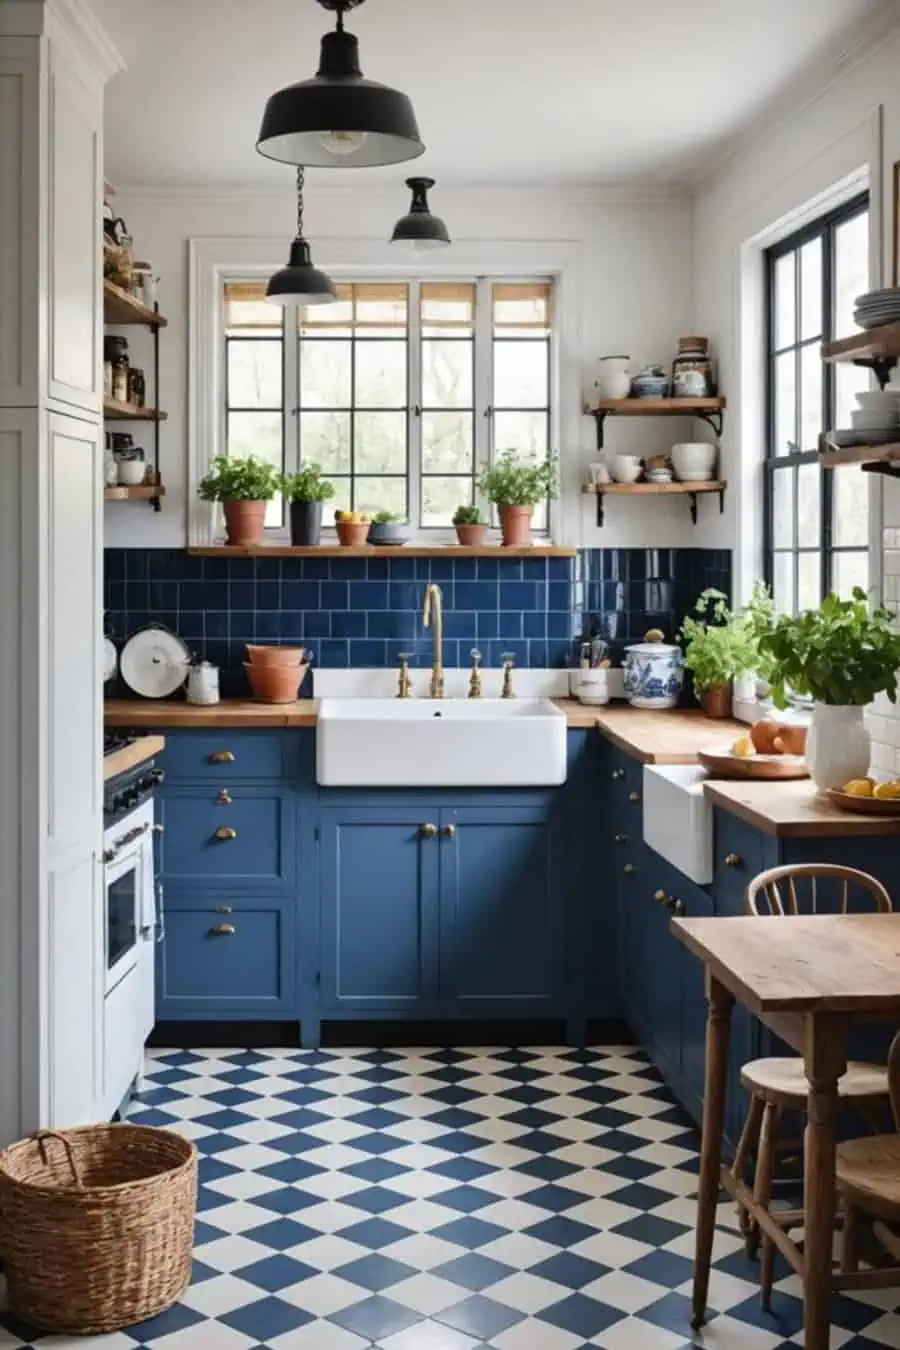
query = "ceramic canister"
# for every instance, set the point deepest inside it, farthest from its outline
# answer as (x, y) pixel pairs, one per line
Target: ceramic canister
(654, 674)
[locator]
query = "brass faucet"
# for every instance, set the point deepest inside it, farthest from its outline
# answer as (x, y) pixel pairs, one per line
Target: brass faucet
(433, 618)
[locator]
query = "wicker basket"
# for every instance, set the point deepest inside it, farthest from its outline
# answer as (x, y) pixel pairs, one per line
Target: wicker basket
(97, 1225)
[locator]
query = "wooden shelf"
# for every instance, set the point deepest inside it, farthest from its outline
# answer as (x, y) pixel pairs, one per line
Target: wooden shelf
(120, 307)
(875, 458)
(709, 410)
(388, 551)
(691, 490)
(114, 411)
(870, 345)
(143, 492)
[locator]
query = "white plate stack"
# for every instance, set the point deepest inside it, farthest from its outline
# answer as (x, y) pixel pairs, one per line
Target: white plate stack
(875, 309)
(878, 415)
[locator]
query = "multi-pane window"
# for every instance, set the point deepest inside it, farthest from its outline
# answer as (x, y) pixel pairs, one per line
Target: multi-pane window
(401, 390)
(816, 521)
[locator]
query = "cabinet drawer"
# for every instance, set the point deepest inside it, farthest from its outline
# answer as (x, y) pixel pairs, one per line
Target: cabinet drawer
(226, 835)
(223, 757)
(214, 963)
(739, 857)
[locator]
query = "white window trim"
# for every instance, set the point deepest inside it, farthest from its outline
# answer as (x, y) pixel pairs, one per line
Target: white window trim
(213, 261)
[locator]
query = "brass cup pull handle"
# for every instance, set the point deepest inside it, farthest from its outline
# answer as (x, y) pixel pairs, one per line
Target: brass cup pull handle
(224, 797)
(634, 797)
(225, 833)
(660, 897)
(448, 831)
(617, 775)
(221, 757)
(429, 831)
(733, 860)
(222, 930)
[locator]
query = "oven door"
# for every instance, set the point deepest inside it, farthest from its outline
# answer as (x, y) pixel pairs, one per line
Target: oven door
(125, 881)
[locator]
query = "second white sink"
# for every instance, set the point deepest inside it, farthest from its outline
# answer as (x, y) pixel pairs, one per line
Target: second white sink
(678, 818)
(378, 742)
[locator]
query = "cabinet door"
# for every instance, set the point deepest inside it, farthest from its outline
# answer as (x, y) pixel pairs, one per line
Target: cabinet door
(502, 910)
(226, 961)
(379, 895)
(657, 968)
(242, 837)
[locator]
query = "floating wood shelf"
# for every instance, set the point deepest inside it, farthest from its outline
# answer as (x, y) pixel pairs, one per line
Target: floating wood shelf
(142, 492)
(709, 410)
(120, 307)
(691, 490)
(877, 348)
(883, 459)
(388, 551)
(115, 411)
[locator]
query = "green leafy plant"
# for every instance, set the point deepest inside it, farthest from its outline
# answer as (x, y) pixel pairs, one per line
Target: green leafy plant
(759, 620)
(843, 653)
(386, 518)
(467, 515)
(507, 482)
(307, 486)
(719, 644)
(239, 480)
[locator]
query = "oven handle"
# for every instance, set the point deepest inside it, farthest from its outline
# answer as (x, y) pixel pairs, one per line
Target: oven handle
(160, 912)
(129, 844)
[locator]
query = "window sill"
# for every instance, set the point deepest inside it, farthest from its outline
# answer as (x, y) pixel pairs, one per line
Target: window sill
(383, 551)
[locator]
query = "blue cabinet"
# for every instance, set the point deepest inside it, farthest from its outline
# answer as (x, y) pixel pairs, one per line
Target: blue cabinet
(242, 836)
(226, 961)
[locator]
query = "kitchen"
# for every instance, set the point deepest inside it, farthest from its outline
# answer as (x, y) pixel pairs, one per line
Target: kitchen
(496, 890)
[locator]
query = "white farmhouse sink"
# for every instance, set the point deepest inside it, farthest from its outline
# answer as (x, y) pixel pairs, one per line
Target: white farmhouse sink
(378, 742)
(678, 818)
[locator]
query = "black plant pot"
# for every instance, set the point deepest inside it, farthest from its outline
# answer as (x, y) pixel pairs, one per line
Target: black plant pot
(306, 523)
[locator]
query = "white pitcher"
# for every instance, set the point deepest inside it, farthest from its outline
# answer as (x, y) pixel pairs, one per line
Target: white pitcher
(613, 377)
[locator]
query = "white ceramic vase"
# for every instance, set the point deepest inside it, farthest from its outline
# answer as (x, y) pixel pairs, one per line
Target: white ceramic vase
(744, 687)
(838, 745)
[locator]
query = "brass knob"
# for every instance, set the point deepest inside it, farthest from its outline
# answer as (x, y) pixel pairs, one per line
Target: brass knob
(733, 860)
(622, 838)
(226, 832)
(660, 897)
(628, 869)
(222, 930)
(224, 797)
(429, 831)
(617, 775)
(448, 831)
(221, 757)
(634, 797)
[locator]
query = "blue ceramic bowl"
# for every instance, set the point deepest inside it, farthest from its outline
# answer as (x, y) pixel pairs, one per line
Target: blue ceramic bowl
(650, 386)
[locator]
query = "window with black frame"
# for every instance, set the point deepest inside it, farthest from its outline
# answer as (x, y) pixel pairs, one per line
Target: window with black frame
(816, 520)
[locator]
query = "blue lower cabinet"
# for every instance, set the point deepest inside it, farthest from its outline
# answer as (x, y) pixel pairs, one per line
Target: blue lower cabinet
(241, 836)
(502, 911)
(226, 961)
(379, 910)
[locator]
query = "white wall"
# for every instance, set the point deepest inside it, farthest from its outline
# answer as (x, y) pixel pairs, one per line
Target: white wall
(636, 296)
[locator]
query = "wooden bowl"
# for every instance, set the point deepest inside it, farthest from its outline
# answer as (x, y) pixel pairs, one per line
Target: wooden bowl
(352, 533)
(723, 764)
(275, 684)
(275, 656)
(864, 806)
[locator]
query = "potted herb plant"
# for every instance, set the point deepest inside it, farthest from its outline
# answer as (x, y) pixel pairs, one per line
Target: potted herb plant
(759, 619)
(387, 528)
(470, 528)
(306, 491)
(840, 655)
(718, 647)
(515, 489)
(243, 486)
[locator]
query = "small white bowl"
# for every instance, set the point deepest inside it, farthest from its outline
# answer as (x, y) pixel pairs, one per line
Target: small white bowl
(625, 468)
(694, 461)
(874, 419)
(880, 400)
(131, 472)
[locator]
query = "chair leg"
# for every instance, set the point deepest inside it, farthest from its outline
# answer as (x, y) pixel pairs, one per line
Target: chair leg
(746, 1145)
(765, 1161)
(767, 1272)
(850, 1238)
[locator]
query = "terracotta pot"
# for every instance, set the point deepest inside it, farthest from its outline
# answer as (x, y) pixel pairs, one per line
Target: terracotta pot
(244, 522)
(352, 533)
(275, 656)
(275, 684)
(515, 525)
(471, 536)
(716, 699)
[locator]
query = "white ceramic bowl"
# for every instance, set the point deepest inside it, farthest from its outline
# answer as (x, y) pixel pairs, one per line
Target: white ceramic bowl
(131, 472)
(625, 468)
(694, 461)
(874, 419)
(879, 400)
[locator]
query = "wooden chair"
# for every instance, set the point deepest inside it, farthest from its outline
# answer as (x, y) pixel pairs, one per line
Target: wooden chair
(778, 1085)
(868, 1182)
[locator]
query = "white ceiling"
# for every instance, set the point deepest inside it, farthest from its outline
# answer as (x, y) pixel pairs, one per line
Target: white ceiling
(517, 92)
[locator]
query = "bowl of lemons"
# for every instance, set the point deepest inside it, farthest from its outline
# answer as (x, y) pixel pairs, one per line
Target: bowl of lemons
(866, 796)
(352, 528)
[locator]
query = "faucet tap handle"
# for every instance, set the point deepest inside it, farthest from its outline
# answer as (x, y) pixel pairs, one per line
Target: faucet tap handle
(404, 680)
(475, 677)
(509, 662)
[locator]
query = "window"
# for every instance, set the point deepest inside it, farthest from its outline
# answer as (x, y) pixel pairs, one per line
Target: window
(400, 391)
(816, 521)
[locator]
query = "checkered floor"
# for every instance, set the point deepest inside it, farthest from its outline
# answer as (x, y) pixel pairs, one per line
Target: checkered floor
(528, 1199)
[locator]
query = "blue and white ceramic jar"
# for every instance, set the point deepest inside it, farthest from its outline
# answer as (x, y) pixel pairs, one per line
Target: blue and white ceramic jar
(654, 673)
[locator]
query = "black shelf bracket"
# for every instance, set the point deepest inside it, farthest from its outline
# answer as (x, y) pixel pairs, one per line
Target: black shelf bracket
(599, 510)
(692, 497)
(600, 419)
(713, 417)
(881, 366)
(886, 468)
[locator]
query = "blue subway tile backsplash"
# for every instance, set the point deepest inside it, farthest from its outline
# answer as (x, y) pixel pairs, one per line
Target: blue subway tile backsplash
(365, 611)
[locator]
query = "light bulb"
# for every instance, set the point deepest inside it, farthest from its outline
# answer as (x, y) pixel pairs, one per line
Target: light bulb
(342, 143)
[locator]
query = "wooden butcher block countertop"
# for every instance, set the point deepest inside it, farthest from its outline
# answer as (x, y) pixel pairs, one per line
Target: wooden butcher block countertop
(129, 756)
(794, 809)
(231, 712)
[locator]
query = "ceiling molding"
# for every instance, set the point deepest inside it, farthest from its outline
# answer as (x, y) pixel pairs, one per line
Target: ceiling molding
(78, 23)
(226, 194)
(857, 44)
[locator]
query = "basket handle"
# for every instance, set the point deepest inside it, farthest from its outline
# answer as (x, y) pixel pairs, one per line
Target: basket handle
(41, 1138)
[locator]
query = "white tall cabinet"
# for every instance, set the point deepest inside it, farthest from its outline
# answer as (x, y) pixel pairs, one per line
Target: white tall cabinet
(54, 63)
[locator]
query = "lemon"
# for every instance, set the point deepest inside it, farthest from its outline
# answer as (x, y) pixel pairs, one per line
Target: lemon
(743, 747)
(887, 791)
(860, 787)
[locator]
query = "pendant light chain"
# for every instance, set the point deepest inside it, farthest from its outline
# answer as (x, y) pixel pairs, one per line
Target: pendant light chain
(301, 178)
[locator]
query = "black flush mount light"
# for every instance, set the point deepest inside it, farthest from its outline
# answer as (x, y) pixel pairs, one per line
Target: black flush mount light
(339, 119)
(300, 283)
(419, 229)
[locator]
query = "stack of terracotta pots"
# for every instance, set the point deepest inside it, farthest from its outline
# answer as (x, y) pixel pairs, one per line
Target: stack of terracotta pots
(275, 673)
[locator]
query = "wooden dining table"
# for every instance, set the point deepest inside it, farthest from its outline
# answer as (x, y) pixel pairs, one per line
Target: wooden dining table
(808, 980)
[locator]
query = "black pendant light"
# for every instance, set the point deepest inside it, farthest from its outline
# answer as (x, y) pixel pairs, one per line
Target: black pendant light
(338, 119)
(300, 283)
(420, 229)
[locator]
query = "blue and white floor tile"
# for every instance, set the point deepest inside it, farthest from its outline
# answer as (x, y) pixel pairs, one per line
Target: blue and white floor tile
(518, 1199)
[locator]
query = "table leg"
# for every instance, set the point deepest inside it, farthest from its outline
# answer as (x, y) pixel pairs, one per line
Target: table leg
(826, 1059)
(718, 1034)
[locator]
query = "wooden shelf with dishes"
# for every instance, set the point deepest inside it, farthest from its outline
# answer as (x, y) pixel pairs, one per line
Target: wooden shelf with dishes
(709, 410)
(381, 551)
(141, 492)
(121, 308)
(878, 349)
(692, 490)
(114, 410)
